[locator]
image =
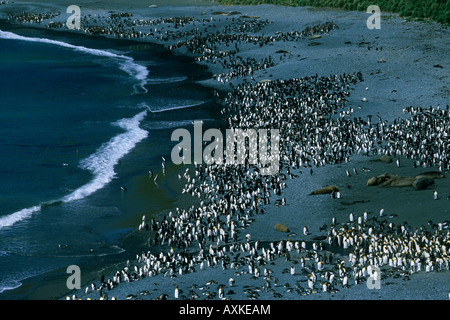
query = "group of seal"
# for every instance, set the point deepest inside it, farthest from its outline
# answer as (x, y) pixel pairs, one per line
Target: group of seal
(419, 182)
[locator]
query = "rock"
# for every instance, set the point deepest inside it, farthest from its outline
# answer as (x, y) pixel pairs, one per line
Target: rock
(386, 158)
(422, 183)
(281, 51)
(281, 227)
(325, 190)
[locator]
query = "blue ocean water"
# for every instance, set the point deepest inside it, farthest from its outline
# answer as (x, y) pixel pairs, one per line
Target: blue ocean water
(80, 117)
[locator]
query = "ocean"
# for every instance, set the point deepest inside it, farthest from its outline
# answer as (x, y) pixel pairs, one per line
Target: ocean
(80, 118)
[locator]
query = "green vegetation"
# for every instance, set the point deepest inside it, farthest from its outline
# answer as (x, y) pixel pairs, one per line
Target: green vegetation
(436, 10)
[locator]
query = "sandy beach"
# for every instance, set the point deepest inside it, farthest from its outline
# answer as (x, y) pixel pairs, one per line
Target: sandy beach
(403, 64)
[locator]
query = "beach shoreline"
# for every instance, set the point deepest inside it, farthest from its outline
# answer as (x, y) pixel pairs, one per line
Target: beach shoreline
(384, 83)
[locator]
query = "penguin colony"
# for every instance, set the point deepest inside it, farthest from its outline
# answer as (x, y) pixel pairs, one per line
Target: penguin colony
(316, 130)
(398, 250)
(216, 47)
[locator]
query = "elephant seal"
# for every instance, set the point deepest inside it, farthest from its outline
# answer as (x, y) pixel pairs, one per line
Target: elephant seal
(325, 190)
(402, 182)
(431, 175)
(398, 181)
(422, 183)
(374, 181)
(385, 158)
(281, 227)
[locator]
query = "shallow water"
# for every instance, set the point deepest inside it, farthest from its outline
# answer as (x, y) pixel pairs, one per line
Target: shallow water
(81, 117)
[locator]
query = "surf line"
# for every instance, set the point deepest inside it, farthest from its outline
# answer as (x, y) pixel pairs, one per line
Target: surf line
(100, 164)
(127, 64)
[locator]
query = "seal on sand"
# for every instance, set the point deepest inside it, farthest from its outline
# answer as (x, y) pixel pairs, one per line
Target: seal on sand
(325, 190)
(281, 227)
(422, 183)
(385, 158)
(398, 181)
(431, 175)
(374, 181)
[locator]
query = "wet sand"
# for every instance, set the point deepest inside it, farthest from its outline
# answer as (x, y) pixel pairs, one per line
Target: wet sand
(398, 64)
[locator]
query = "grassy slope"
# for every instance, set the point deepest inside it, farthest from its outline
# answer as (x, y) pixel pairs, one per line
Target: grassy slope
(436, 10)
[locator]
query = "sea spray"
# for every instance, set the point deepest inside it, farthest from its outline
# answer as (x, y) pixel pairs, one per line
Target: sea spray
(126, 64)
(100, 164)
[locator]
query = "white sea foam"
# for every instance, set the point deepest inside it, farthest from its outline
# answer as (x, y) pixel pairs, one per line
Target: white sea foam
(164, 125)
(9, 286)
(126, 64)
(102, 162)
(166, 80)
(176, 107)
(11, 219)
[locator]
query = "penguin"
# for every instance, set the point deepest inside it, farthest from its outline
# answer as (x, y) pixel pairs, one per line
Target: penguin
(333, 221)
(345, 282)
(305, 230)
(310, 284)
